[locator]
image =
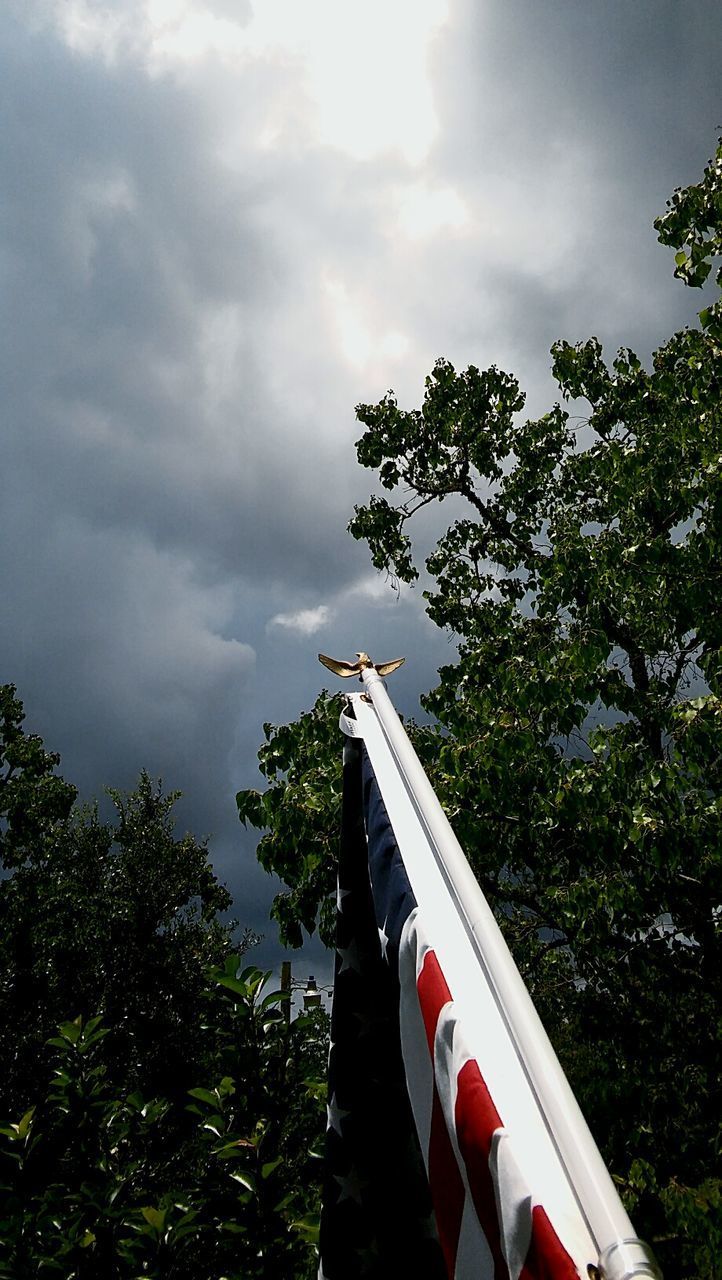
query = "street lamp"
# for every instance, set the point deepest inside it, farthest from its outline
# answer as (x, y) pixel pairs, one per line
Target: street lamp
(312, 994)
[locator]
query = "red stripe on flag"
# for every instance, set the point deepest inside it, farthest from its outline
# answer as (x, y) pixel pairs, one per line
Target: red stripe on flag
(447, 1187)
(445, 1181)
(477, 1119)
(433, 995)
(547, 1258)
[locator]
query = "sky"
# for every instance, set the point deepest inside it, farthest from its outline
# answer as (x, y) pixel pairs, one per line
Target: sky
(223, 224)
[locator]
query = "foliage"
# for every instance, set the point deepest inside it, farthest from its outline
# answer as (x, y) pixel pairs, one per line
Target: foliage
(299, 813)
(578, 738)
(34, 802)
(121, 918)
(175, 1137)
(85, 1194)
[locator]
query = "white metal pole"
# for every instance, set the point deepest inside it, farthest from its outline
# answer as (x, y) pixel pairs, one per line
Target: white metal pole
(622, 1256)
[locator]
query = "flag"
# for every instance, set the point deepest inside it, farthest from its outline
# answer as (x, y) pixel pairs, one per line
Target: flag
(427, 1173)
(377, 1218)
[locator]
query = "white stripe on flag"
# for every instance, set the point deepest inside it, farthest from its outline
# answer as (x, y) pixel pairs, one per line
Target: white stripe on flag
(473, 1256)
(417, 1063)
(513, 1203)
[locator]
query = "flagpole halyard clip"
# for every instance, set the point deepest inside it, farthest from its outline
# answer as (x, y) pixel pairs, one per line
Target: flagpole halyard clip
(349, 725)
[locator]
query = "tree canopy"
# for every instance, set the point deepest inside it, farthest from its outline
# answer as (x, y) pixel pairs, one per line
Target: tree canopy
(122, 918)
(577, 740)
(158, 1108)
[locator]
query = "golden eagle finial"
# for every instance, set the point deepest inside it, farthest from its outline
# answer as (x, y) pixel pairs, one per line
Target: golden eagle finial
(345, 669)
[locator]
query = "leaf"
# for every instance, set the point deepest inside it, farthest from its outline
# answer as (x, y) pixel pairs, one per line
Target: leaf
(236, 985)
(274, 997)
(71, 1031)
(23, 1127)
(154, 1217)
(245, 1179)
(205, 1095)
(308, 1227)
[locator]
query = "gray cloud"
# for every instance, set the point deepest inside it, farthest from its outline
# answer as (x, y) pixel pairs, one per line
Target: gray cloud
(191, 315)
(573, 123)
(146, 297)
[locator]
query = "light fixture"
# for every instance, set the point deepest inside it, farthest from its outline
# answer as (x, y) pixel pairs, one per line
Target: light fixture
(312, 994)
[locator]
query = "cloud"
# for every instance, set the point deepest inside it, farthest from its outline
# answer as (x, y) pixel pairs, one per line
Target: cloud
(306, 621)
(426, 211)
(225, 223)
(332, 45)
(125, 651)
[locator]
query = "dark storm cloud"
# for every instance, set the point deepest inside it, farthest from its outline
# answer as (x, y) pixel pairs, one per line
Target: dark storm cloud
(573, 123)
(140, 276)
(189, 318)
(166, 476)
(636, 84)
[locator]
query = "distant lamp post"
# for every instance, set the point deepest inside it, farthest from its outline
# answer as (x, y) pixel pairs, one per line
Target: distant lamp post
(312, 994)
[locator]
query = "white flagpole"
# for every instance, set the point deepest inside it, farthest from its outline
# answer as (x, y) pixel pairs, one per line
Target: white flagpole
(622, 1256)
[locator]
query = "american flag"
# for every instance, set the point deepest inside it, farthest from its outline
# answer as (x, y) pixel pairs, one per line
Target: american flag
(422, 1175)
(377, 1218)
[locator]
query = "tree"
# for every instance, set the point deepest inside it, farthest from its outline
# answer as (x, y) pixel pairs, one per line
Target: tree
(122, 919)
(577, 744)
(34, 801)
(87, 1184)
(172, 1131)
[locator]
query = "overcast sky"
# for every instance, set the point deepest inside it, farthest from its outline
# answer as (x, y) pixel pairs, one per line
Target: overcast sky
(222, 225)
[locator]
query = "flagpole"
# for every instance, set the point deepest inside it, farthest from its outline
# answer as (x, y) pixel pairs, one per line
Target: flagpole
(622, 1256)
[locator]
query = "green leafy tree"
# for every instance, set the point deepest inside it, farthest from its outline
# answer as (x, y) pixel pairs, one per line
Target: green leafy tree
(577, 744)
(263, 1127)
(84, 1185)
(120, 917)
(177, 1135)
(34, 801)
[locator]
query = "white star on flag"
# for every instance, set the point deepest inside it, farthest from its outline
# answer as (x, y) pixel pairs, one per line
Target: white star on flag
(383, 939)
(350, 958)
(335, 1114)
(351, 1185)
